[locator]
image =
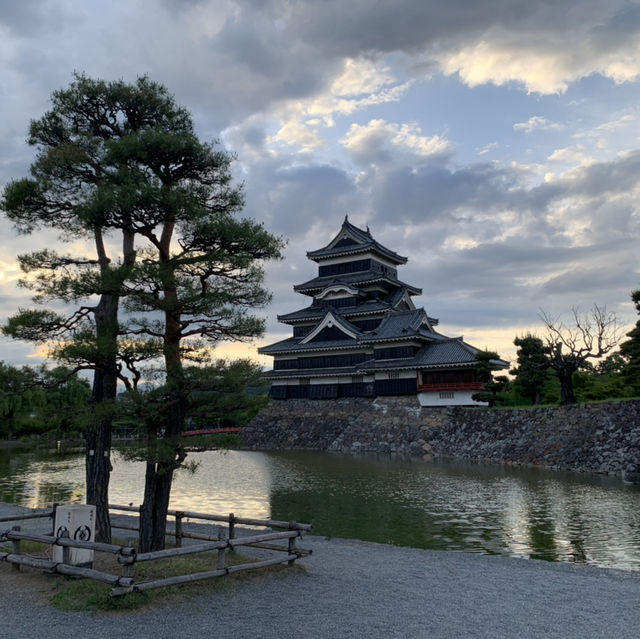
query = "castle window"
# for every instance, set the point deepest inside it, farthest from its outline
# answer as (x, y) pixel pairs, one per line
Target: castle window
(446, 394)
(344, 267)
(394, 375)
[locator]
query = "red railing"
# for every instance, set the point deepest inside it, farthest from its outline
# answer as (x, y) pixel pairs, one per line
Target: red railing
(212, 431)
(451, 386)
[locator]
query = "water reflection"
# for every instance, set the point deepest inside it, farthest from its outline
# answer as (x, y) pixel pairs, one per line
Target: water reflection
(439, 505)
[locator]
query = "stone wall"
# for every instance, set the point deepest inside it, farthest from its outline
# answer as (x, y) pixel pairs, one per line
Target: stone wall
(603, 438)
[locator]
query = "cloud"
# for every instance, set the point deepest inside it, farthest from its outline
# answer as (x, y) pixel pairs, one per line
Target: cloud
(362, 83)
(366, 109)
(536, 123)
(543, 46)
(380, 141)
(573, 154)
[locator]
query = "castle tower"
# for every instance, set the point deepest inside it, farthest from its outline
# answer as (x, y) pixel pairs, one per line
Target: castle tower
(362, 336)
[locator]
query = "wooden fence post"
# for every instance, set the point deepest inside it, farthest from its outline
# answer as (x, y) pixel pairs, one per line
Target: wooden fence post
(232, 532)
(292, 542)
(16, 549)
(66, 550)
(129, 569)
(179, 515)
(221, 554)
(53, 518)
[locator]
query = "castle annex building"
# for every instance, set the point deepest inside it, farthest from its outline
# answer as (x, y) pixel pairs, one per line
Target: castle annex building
(362, 336)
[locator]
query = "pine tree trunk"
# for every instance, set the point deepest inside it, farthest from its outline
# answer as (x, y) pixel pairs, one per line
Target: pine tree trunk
(98, 436)
(159, 478)
(159, 475)
(98, 472)
(153, 512)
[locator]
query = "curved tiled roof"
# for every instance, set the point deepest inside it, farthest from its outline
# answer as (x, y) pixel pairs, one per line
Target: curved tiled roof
(294, 345)
(447, 352)
(403, 325)
(363, 242)
(317, 312)
(358, 278)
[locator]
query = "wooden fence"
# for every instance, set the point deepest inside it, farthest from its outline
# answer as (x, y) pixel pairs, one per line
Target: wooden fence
(128, 556)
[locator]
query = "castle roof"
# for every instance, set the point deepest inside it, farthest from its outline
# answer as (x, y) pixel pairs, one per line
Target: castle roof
(359, 278)
(403, 325)
(316, 311)
(296, 345)
(352, 240)
(446, 353)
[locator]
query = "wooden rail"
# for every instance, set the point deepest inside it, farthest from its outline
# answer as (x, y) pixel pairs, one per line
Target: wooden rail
(128, 557)
(22, 517)
(231, 520)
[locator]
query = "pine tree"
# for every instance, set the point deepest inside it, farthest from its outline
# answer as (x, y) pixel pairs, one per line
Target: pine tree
(124, 159)
(533, 367)
(72, 173)
(630, 350)
(488, 362)
(192, 285)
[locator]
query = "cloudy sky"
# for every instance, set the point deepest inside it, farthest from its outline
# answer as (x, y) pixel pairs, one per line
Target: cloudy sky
(495, 143)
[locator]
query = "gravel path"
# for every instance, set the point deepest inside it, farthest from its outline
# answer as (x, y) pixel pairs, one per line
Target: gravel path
(360, 589)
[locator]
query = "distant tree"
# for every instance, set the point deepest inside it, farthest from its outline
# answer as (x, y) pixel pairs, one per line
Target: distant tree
(220, 393)
(591, 385)
(533, 367)
(38, 400)
(487, 363)
(630, 351)
(613, 364)
(65, 409)
(570, 347)
(18, 394)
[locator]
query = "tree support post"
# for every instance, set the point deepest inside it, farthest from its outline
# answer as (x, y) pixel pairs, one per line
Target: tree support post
(179, 515)
(16, 549)
(292, 542)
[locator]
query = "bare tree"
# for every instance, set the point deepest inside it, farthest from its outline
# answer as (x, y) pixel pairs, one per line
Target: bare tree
(589, 336)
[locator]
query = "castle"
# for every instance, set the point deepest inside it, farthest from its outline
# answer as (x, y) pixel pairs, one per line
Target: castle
(362, 336)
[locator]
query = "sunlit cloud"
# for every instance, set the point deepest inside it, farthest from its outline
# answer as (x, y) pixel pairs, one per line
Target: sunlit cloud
(538, 123)
(379, 139)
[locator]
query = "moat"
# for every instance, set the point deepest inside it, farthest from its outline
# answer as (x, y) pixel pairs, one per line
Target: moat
(491, 509)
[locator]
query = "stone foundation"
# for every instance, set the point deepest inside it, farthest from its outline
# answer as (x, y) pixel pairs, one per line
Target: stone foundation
(602, 438)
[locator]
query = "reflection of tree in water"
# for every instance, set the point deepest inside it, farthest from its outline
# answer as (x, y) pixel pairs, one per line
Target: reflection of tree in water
(13, 484)
(541, 530)
(53, 492)
(379, 500)
(25, 477)
(350, 515)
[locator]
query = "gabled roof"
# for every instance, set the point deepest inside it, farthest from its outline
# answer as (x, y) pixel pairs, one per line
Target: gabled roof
(403, 325)
(359, 278)
(331, 320)
(366, 307)
(352, 240)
